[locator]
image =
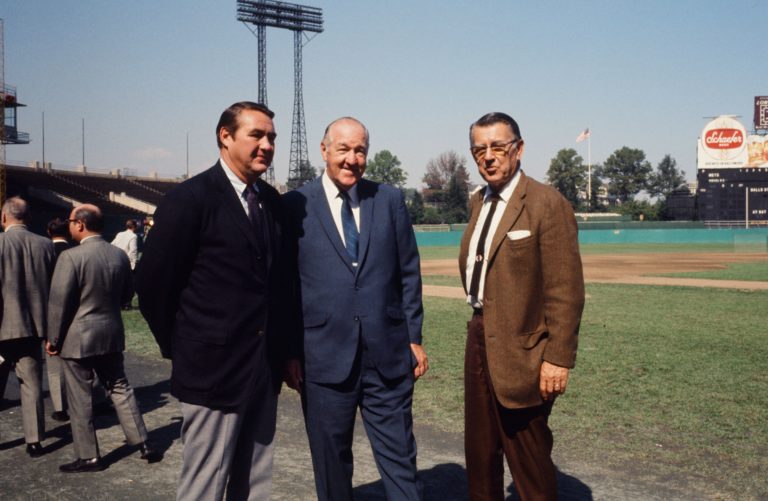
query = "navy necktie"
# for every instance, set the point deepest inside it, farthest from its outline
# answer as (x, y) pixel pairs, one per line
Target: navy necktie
(480, 257)
(256, 216)
(351, 235)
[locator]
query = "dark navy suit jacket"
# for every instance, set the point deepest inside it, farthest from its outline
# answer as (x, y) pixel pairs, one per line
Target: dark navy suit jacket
(380, 299)
(212, 300)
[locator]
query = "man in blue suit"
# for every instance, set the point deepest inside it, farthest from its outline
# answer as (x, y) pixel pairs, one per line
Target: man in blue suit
(360, 287)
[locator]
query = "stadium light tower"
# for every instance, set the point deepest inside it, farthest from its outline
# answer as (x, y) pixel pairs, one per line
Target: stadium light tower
(299, 19)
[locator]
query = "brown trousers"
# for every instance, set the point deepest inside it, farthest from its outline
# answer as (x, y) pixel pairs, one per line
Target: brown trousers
(492, 432)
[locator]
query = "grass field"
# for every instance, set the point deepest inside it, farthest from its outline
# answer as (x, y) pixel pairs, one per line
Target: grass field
(734, 271)
(452, 252)
(671, 382)
(447, 280)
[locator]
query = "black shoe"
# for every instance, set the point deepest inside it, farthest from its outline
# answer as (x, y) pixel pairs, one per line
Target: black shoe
(60, 416)
(149, 453)
(81, 465)
(35, 450)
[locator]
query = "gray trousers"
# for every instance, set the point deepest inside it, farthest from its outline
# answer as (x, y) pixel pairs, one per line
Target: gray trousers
(24, 355)
(79, 374)
(55, 369)
(229, 450)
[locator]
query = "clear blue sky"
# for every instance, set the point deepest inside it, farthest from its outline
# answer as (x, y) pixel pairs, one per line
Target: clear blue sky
(144, 73)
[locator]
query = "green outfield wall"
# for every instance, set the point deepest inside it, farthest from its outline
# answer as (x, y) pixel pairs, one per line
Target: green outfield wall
(738, 237)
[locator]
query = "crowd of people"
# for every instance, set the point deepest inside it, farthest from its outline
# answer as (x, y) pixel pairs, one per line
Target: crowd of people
(320, 288)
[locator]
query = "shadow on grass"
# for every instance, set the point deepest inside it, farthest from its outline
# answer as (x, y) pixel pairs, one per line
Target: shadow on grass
(448, 482)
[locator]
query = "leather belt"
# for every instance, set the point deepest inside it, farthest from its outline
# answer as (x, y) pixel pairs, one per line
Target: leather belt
(478, 311)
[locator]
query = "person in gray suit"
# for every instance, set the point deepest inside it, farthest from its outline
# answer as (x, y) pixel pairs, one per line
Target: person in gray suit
(58, 230)
(90, 283)
(26, 263)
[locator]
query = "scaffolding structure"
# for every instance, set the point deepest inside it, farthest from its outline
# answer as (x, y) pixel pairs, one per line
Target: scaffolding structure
(299, 19)
(9, 132)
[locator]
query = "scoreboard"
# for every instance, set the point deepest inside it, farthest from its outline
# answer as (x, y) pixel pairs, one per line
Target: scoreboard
(722, 194)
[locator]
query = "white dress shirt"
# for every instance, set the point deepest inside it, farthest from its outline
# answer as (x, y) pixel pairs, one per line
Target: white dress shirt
(336, 203)
(127, 241)
(504, 197)
(238, 185)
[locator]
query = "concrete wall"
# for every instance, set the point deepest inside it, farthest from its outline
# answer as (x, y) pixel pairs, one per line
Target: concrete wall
(738, 237)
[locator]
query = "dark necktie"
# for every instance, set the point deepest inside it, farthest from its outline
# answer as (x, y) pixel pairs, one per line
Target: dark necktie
(480, 253)
(256, 215)
(351, 235)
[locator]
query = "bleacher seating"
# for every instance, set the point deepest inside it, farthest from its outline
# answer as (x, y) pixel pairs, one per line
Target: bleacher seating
(160, 185)
(105, 183)
(85, 187)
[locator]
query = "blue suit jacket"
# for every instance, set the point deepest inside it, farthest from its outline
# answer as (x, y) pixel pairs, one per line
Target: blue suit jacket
(380, 299)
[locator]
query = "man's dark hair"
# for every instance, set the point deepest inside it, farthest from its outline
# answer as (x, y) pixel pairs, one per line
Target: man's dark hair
(17, 208)
(131, 224)
(92, 219)
(228, 119)
(495, 118)
(58, 228)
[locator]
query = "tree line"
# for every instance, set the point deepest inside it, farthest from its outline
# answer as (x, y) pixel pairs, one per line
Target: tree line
(624, 174)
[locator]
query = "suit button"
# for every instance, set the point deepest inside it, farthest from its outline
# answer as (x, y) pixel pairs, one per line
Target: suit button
(260, 333)
(357, 319)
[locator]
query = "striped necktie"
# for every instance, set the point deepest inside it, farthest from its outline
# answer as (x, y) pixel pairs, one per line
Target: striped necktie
(480, 256)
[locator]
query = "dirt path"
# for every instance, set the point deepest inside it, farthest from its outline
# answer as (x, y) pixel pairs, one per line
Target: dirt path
(628, 269)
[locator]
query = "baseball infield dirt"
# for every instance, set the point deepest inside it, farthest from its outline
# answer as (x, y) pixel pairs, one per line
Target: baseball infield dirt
(628, 269)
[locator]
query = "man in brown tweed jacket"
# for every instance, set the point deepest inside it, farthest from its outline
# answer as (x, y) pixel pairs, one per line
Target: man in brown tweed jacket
(521, 269)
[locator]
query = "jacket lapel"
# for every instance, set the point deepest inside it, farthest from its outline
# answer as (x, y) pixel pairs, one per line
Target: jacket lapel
(512, 212)
(273, 229)
(322, 210)
(476, 204)
(232, 205)
(366, 197)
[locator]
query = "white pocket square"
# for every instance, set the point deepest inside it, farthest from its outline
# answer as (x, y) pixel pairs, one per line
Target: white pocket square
(518, 234)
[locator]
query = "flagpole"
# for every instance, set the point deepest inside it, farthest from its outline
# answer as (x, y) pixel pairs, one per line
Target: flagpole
(589, 169)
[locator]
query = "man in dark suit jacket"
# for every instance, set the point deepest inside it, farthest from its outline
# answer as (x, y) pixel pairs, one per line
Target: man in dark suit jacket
(58, 230)
(361, 299)
(211, 286)
(520, 265)
(85, 328)
(26, 264)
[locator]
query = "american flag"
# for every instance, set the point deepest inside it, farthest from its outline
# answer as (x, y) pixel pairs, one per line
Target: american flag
(583, 135)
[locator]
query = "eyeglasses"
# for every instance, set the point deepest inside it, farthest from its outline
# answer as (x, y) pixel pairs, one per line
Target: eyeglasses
(498, 150)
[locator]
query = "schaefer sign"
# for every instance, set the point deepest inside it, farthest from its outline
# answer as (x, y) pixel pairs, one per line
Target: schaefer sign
(724, 144)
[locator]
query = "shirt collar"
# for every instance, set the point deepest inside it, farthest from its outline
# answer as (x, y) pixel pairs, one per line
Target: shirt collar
(332, 191)
(506, 192)
(238, 185)
(14, 225)
(88, 238)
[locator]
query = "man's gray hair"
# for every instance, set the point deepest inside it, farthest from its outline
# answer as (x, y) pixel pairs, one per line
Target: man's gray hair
(16, 208)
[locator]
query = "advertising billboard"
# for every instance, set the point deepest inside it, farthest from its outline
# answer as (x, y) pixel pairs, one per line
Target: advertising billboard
(724, 144)
(761, 112)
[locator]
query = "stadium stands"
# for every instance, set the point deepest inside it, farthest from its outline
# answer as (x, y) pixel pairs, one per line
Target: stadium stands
(59, 188)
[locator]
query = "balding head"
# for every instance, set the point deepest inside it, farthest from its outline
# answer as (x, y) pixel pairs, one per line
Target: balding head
(84, 221)
(15, 211)
(329, 135)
